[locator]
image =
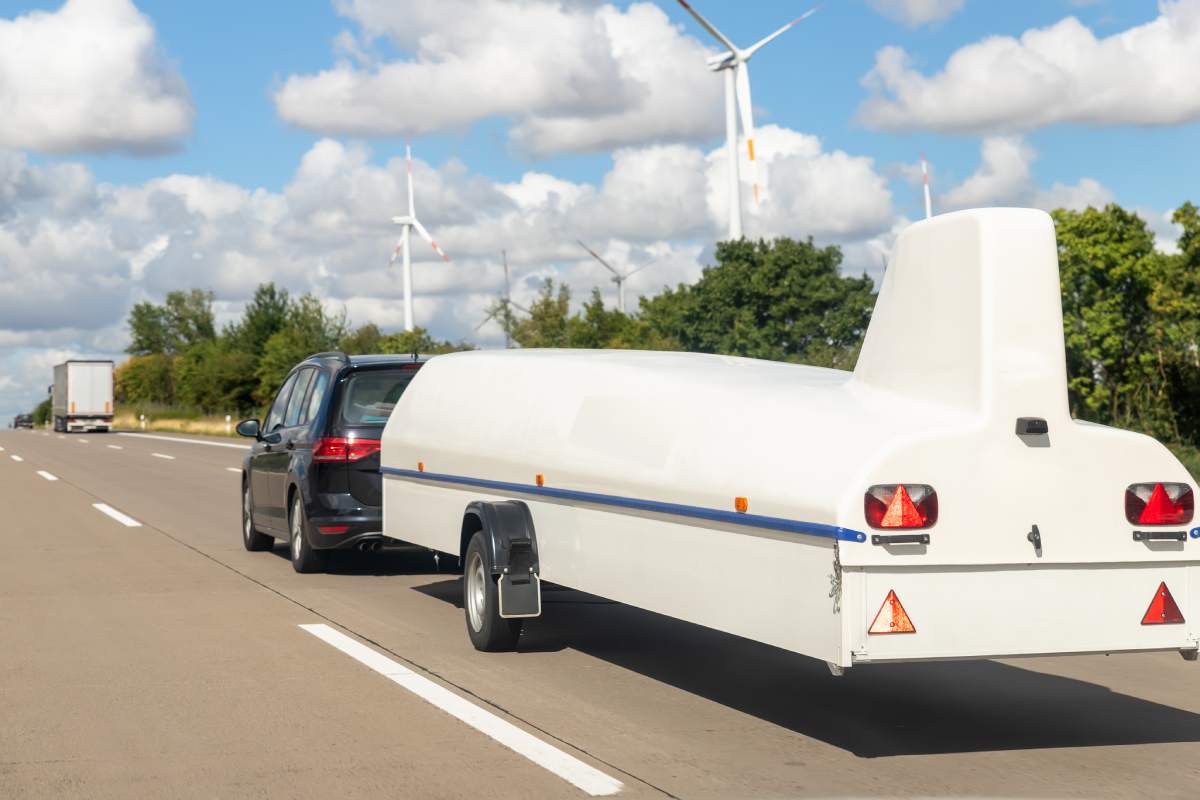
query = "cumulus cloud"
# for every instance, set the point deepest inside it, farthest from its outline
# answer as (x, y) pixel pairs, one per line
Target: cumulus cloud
(75, 254)
(572, 76)
(88, 77)
(1005, 178)
(1059, 74)
(914, 13)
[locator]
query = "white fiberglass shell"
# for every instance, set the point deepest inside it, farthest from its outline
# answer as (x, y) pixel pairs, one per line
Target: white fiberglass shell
(966, 337)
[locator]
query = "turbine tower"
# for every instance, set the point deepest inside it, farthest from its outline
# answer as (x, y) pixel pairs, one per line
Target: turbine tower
(408, 224)
(734, 64)
(925, 179)
(619, 278)
(503, 305)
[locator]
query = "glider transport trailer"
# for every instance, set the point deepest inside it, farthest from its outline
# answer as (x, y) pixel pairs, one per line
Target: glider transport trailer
(939, 502)
(82, 396)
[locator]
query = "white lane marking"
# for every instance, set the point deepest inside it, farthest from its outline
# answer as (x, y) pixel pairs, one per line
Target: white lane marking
(564, 765)
(82, 441)
(16, 458)
(233, 469)
(163, 455)
(188, 441)
(115, 447)
(47, 475)
(45, 434)
(1, 449)
(62, 437)
(124, 519)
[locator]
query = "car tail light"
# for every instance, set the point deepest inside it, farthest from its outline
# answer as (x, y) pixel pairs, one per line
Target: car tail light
(901, 505)
(1159, 504)
(341, 448)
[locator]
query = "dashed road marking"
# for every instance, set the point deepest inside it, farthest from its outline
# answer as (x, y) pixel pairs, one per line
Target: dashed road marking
(233, 469)
(115, 447)
(564, 765)
(16, 458)
(124, 519)
(163, 455)
(47, 475)
(82, 441)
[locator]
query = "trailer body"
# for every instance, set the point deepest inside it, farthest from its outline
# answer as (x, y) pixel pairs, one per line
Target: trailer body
(730, 492)
(82, 396)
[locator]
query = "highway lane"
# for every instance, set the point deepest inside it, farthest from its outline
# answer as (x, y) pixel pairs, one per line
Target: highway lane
(657, 704)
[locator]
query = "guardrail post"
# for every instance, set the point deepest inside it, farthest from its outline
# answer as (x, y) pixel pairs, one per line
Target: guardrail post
(228, 424)
(143, 416)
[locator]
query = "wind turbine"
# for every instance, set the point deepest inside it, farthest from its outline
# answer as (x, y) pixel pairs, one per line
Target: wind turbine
(734, 64)
(619, 278)
(503, 303)
(408, 224)
(925, 178)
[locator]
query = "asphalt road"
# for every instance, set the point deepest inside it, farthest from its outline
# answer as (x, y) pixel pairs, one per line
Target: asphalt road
(165, 661)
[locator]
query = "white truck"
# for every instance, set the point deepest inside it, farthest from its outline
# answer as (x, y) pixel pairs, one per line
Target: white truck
(939, 502)
(82, 396)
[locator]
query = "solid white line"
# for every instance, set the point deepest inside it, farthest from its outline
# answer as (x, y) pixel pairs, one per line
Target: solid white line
(233, 469)
(163, 455)
(16, 458)
(564, 765)
(115, 447)
(46, 475)
(124, 519)
(188, 441)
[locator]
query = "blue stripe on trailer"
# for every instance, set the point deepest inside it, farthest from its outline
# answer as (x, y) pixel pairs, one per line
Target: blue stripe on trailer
(655, 506)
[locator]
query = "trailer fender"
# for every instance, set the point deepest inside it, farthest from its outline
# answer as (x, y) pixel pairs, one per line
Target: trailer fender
(512, 550)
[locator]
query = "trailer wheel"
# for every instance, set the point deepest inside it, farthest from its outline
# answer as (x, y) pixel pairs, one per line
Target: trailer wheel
(481, 602)
(251, 538)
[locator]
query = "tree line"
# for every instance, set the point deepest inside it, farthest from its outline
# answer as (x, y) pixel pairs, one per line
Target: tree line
(1131, 318)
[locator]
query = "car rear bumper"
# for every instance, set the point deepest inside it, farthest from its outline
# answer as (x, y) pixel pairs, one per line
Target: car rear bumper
(359, 529)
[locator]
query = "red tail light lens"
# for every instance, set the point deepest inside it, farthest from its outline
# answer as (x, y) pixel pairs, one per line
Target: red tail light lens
(901, 505)
(339, 448)
(1159, 504)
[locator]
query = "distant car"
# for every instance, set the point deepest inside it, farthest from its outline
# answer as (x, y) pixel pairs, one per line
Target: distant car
(312, 475)
(23, 421)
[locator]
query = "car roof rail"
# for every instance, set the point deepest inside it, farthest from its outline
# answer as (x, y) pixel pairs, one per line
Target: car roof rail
(338, 354)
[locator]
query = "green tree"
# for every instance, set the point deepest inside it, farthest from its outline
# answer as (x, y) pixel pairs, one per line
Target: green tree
(307, 329)
(783, 300)
(214, 376)
(42, 412)
(145, 379)
(264, 315)
(419, 341)
(365, 339)
(148, 330)
(184, 319)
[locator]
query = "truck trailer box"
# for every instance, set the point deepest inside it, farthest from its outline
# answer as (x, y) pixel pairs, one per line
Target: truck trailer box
(938, 502)
(82, 396)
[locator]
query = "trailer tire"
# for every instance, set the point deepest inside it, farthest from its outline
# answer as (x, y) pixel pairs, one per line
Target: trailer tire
(488, 631)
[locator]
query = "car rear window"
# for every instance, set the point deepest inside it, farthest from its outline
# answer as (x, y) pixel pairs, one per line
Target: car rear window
(369, 397)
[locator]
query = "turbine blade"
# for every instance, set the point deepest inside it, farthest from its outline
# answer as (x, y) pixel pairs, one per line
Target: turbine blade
(412, 209)
(768, 39)
(395, 254)
(925, 180)
(747, 110)
(642, 267)
(491, 316)
(424, 234)
(708, 26)
(596, 256)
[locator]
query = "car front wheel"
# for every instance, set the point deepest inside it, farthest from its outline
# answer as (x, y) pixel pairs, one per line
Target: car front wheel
(251, 538)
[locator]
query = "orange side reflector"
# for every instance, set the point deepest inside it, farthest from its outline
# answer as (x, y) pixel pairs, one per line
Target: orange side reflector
(1163, 609)
(892, 618)
(741, 504)
(420, 466)
(541, 479)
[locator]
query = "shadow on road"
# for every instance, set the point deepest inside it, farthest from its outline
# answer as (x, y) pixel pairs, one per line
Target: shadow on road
(407, 561)
(872, 711)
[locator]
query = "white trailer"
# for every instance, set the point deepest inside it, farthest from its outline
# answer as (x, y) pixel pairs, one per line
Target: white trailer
(82, 396)
(937, 503)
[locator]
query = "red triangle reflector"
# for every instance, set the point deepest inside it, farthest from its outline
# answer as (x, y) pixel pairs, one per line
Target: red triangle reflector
(892, 618)
(901, 513)
(1163, 609)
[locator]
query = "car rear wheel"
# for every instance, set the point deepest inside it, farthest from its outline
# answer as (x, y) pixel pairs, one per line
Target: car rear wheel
(481, 602)
(251, 538)
(304, 557)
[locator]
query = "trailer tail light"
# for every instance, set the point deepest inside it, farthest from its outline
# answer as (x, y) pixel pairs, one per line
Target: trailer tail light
(340, 448)
(1163, 609)
(1159, 504)
(901, 505)
(891, 618)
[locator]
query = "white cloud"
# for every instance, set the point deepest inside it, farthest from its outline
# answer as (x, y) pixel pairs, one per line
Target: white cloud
(572, 76)
(88, 77)
(1005, 178)
(76, 254)
(917, 12)
(1058, 74)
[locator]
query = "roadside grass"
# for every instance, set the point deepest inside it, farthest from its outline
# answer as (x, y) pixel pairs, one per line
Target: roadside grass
(171, 420)
(1189, 455)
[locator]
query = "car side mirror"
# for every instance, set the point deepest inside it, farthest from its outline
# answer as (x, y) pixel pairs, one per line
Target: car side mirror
(248, 428)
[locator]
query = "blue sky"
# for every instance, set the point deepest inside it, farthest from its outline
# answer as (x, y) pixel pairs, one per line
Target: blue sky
(150, 145)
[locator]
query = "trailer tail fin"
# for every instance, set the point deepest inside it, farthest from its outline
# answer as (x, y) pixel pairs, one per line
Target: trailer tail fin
(970, 314)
